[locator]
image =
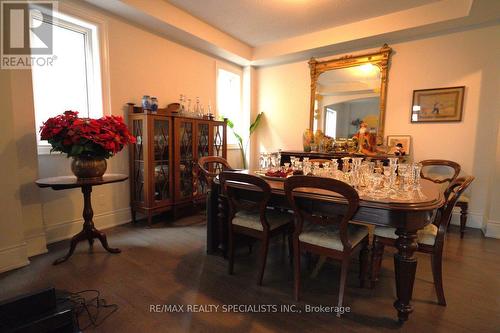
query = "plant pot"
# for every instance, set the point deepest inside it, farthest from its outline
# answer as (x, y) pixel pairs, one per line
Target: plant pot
(86, 167)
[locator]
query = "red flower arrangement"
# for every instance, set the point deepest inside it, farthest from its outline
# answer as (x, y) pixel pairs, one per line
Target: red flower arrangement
(100, 138)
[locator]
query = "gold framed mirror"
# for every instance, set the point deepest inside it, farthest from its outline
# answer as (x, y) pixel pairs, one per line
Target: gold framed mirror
(350, 92)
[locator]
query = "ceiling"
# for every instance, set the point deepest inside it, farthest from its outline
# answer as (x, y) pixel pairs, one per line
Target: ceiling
(257, 22)
(270, 32)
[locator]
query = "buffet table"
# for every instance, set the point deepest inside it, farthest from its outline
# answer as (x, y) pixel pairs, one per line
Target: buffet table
(287, 154)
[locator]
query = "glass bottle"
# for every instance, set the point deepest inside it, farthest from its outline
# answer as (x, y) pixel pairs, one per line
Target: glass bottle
(197, 108)
(181, 104)
(189, 112)
(209, 111)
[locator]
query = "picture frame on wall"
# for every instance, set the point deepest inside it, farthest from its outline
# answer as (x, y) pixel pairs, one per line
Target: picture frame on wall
(437, 105)
(399, 145)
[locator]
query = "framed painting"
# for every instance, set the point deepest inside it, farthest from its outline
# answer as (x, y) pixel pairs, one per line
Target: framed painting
(399, 145)
(437, 105)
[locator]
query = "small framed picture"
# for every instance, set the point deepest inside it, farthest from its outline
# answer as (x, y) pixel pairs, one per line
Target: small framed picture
(399, 145)
(437, 105)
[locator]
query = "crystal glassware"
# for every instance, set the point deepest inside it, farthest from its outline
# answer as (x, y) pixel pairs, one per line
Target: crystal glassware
(417, 168)
(403, 170)
(262, 161)
(306, 166)
(345, 164)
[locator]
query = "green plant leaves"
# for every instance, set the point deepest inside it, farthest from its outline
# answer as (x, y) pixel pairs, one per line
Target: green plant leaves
(252, 129)
(256, 123)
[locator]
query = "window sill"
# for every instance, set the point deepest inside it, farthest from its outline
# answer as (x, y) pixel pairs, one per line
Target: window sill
(233, 146)
(45, 151)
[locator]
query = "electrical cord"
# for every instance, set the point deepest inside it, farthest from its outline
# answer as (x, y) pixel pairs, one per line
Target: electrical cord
(91, 307)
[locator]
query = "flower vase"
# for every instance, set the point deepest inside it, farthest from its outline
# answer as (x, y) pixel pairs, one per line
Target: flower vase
(88, 167)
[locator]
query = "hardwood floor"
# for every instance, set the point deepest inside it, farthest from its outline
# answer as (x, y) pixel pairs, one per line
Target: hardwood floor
(167, 264)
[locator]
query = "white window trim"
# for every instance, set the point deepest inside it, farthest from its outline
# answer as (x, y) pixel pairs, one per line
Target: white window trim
(236, 70)
(95, 18)
(324, 122)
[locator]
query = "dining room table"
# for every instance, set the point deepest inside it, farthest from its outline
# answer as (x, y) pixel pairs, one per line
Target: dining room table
(407, 214)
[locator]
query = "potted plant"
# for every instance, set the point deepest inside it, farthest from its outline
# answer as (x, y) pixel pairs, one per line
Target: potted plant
(88, 141)
(241, 144)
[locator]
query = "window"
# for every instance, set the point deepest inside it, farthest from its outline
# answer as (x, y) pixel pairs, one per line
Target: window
(229, 101)
(330, 122)
(73, 82)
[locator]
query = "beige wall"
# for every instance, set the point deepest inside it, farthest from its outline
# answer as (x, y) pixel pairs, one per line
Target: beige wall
(13, 248)
(467, 58)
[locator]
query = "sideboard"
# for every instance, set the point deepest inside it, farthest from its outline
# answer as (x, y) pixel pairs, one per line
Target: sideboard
(285, 155)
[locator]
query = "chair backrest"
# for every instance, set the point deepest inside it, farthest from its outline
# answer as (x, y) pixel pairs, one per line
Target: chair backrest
(304, 213)
(257, 200)
(452, 194)
(211, 166)
(454, 166)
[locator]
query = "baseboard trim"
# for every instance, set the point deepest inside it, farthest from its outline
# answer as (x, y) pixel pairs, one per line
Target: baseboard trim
(36, 244)
(474, 220)
(67, 229)
(13, 257)
(492, 229)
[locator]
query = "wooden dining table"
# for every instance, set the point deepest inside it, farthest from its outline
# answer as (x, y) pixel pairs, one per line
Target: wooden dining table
(407, 215)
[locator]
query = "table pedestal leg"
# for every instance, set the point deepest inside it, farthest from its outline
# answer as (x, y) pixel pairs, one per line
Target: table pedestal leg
(405, 266)
(89, 232)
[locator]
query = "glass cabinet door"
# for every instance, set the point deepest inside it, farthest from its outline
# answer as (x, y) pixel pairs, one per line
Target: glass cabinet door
(218, 144)
(161, 159)
(218, 140)
(186, 159)
(138, 160)
(202, 149)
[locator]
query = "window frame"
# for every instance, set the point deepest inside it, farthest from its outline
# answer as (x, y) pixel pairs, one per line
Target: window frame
(238, 71)
(94, 28)
(330, 110)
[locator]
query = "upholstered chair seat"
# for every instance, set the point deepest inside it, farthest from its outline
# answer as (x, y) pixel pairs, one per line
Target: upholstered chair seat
(252, 219)
(426, 235)
(329, 236)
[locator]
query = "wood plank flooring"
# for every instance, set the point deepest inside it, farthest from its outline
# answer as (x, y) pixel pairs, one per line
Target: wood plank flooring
(167, 264)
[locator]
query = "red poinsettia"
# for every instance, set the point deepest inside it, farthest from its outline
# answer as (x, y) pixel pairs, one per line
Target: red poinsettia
(103, 137)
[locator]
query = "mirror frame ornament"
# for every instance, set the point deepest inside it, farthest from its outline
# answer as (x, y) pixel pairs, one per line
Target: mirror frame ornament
(380, 59)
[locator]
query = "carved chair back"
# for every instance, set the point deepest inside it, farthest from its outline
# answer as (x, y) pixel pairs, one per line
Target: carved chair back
(454, 167)
(306, 213)
(452, 194)
(231, 183)
(211, 166)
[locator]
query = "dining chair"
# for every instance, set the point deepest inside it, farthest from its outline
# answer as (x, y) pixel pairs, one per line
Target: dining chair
(211, 166)
(330, 236)
(430, 239)
(463, 202)
(251, 217)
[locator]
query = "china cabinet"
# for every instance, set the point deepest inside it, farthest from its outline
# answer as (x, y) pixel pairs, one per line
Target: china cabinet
(162, 173)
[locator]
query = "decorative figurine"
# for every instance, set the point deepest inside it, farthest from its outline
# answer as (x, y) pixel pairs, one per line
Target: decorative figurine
(400, 151)
(365, 140)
